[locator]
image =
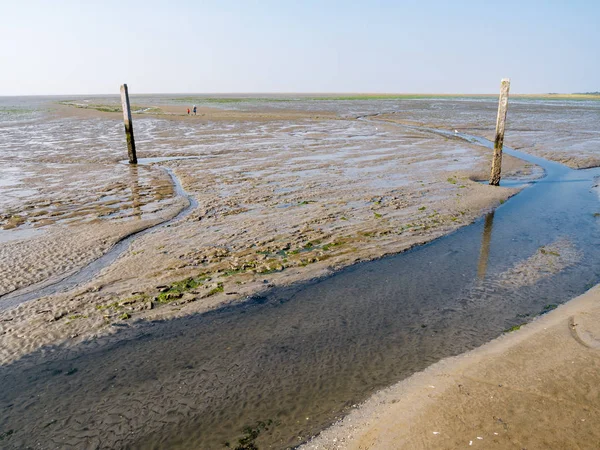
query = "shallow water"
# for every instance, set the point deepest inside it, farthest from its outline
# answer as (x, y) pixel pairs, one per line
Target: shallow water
(303, 356)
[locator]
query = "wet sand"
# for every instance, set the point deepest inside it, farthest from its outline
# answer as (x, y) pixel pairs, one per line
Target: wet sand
(534, 388)
(349, 191)
(303, 355)
(565, 132)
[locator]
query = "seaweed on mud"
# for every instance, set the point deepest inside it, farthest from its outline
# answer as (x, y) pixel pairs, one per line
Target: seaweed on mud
(231, 272)
(216, 290)
(544, 251)
(327, 247)
(114, 305)
(6, 434)
(246, 442)
(97, 107)
(306, 262)
(178, 288)
(75, 317)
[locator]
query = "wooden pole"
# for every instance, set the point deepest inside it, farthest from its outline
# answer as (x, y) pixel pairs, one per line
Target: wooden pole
(500, 125)
(128, 124)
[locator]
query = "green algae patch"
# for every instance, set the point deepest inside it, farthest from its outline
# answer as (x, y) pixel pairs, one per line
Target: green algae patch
(13, 222)
(111, 108)
(176, 290)
(216, 290)
(250, 434)
(333, 244)
(543, 251)
(513, 328)
(73, 317)
(113, 305)
(96, 106)
(133, 299)
(6, 434)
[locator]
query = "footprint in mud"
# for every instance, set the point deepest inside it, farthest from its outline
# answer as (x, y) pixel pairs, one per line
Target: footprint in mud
(585, 330)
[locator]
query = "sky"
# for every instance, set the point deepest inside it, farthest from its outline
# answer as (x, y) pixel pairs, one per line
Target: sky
(231, 46)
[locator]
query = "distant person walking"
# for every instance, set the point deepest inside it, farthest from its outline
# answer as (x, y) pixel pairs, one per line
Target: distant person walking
(188, 111)
(194, 109)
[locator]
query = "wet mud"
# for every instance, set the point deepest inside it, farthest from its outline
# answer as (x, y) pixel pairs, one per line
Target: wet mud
(298, 358)
(279, 367)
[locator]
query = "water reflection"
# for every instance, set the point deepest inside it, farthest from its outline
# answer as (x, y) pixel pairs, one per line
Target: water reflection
(134, 184)
(484, 253)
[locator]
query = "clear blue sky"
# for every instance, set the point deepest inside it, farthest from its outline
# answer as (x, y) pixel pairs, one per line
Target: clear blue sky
(91, 47)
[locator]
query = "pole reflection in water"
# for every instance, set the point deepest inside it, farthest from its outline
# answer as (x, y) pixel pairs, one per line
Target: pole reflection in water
(484, 253)
(135, 191)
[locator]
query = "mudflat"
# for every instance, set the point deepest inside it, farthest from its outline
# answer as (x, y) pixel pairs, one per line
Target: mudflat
(284, 194)
(281, 192)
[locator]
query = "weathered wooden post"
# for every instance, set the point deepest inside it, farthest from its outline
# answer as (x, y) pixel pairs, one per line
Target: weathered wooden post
(500, 125)
(128, 124)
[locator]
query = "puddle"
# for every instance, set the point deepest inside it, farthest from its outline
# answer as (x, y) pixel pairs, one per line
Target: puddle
(15, 235)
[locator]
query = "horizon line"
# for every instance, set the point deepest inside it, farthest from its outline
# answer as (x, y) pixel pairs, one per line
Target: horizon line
(321, 94)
